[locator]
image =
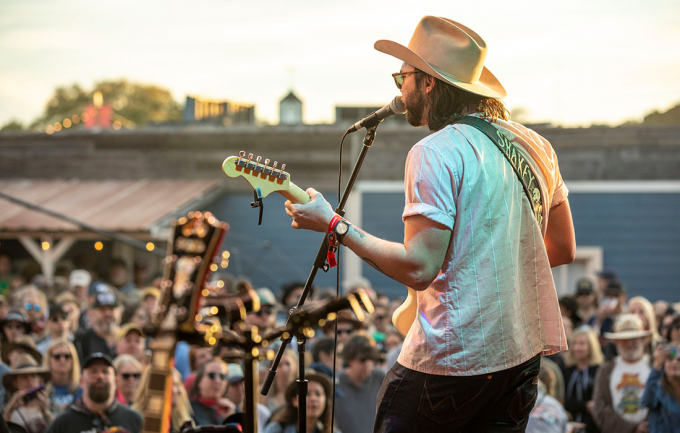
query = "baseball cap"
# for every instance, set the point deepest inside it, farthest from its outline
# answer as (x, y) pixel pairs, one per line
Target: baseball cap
(126, 329)
(79, 278)
(97, 287)
(266, 296)
(584, 287)
(235, 373)
(105, 299)
(615, 288)
(150, 291)
(98, 356)
(608, 274)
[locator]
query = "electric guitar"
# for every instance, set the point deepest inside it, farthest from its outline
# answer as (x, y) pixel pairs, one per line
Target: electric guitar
(266, 179)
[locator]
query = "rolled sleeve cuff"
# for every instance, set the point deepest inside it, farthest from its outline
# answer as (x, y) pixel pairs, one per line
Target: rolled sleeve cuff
(560, 195)
(429, 212)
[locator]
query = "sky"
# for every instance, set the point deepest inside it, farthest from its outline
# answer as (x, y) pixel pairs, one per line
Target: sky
(572, 63)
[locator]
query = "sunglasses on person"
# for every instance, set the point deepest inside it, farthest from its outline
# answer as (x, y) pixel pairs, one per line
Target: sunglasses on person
(14, 325)
(399, 77)
(345, 331)
(56, 318)
(262, 311)
(213, 376)
(128, 376)
(58, 356)
(28, 306)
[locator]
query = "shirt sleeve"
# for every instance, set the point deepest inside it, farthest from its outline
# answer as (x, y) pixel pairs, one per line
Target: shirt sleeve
(430, 186)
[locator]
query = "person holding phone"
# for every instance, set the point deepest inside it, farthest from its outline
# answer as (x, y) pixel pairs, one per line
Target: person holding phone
(663, 390)
(29, 405)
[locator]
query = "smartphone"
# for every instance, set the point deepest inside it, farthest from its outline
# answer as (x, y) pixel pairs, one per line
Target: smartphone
(673, 350)
(32, 393)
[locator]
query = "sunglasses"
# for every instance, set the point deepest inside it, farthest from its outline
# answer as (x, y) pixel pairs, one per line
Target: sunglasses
(214, 376)
(58, 356)
(345, 331)
(263, 311)
(12, 325)
(55, 319)
(399, 77)
(28, 306)
(128, 376)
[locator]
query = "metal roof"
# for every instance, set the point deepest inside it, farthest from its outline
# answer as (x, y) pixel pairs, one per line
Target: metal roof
(115, 205)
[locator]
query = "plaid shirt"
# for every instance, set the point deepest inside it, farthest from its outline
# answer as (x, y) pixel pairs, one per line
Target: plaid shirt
(493, 305)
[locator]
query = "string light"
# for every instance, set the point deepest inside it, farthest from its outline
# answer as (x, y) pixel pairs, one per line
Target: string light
(45, 245)
(98, 246)
(150, 246)
(57, 126)
(67, 123)
(49, 129)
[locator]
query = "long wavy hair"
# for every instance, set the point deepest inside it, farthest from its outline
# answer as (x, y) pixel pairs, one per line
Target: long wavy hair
(448, 103)
(75, 364)
(596, 356)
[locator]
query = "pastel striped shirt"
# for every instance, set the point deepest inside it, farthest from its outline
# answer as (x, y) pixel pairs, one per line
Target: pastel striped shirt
(493, 305)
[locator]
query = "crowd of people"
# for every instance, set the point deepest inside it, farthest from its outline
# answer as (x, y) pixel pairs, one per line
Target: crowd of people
(75, 356)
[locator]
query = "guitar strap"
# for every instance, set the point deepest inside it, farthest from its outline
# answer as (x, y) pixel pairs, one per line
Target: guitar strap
(522, 169)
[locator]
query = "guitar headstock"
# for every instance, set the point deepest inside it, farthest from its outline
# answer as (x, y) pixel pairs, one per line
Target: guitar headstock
(261, 175)
(190, 259)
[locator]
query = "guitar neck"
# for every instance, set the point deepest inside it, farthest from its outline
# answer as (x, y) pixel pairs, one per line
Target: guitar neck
(295, 194)
(158, 404)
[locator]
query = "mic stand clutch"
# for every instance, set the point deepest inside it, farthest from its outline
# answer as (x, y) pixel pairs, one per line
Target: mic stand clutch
(319, 263)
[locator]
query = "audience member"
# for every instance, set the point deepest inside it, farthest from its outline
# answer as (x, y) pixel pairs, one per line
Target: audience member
(585, 357)
(61, 360)
(548, 415)
(28, 405)
(318, 420)
(72, 307)
(290, 295)
(24, 344)
(569, 309)
(360, 383)
(101, 337)
(208, 403)
(645, 311)
(128, 378)
(34, 306)
(347, 324)
(140, 273)
(98, 409)
(58, 327)
(605, 277)
(620, 382)
(265, 318)
(236, 394)
(586, 299)
(4, 307)
(672, 335)
(118, 277)
(380, 323)
(393, 342)
(135, 313)
(286, 373)
(13, 326)
(130, 340)
(663, 390)
(149, 298)
(611, 306)
(322, 355)
(198, 356)
(79, 282)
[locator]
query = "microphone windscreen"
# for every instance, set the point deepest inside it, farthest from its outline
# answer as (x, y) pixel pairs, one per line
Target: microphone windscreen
(397, 106)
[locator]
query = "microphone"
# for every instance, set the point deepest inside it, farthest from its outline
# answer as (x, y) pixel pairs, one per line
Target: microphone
(395, 107)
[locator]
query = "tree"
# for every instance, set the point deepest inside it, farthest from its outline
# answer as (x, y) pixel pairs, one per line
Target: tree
(12, 126)
(670, 117)
(132, 102)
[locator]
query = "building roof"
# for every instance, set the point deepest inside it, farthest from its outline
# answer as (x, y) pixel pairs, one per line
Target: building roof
(291, 96)
(115, 205)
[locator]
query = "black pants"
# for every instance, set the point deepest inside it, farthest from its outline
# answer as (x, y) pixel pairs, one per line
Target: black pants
(410, 401)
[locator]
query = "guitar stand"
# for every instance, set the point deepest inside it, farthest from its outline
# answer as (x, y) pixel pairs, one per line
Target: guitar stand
(319, 263)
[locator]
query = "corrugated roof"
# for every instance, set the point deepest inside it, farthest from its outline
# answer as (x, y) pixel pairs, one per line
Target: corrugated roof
(115, 205)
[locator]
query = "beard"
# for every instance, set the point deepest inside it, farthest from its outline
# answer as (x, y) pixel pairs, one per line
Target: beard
(415, 106)
(99, 392)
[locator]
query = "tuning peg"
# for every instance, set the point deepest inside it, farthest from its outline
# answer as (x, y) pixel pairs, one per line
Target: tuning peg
(266, 161)
(283, 167)
(242, 153)
(275, 164)
(250, 156)
(259, 158)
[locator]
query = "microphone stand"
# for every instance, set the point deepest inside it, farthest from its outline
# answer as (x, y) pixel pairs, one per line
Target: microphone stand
(319, 263)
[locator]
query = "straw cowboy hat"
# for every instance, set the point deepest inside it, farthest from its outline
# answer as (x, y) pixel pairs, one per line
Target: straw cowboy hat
(627, 327)
(449, 51)
(27, 365)
(23, 342)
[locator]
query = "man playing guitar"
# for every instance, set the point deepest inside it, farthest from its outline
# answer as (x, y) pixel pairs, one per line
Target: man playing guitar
(477, 257)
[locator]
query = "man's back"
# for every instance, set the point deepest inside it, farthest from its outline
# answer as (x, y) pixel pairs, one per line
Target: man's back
(493, 305)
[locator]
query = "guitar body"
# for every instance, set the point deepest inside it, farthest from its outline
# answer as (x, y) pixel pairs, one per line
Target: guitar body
(404, 316)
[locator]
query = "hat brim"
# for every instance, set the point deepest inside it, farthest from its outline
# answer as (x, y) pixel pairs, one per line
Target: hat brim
(7, 348)
(40, 371)
(488, 85)
(626, 335)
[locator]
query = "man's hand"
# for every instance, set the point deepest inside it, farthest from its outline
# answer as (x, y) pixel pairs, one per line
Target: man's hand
(315, 215)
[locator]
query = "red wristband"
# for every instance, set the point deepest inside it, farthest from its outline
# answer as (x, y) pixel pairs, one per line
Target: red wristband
(332, 241)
